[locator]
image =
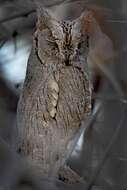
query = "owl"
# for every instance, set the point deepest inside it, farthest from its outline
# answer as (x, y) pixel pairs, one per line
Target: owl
(56, 96)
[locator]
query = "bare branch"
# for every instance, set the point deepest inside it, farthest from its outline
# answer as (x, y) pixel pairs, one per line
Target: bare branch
(122, 21)
(27, 13)
(110, 97)
(18, 15)
(112, 79)
(84, 127)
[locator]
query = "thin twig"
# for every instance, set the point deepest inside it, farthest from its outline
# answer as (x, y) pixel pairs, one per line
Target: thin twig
(57, 3)
(2, 43)
(84, 126)
(109, 76)
(26, 13)
(123, 21)
(110, 97)
(18, 15)
(66, 2)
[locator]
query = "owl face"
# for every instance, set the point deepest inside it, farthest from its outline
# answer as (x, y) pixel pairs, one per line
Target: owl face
(68, 38)
(68, 43)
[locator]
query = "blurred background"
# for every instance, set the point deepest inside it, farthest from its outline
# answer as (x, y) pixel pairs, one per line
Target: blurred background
(17, 25)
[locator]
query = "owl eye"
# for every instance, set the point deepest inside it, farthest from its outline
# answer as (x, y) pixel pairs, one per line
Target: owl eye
(52, 42)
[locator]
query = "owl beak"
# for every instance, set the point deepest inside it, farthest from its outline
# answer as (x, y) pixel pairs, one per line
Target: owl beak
(67, 62)
(66, 58)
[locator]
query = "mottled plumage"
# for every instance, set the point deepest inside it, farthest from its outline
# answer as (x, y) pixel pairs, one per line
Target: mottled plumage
(57, 92)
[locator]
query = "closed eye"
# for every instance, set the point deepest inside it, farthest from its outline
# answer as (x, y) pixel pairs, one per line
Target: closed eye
(53, 42)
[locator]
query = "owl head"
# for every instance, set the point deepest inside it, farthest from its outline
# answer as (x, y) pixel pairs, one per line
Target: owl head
(72, 39)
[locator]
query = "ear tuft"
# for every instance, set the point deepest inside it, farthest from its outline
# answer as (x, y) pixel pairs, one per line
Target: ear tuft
(87, 19)
(45, 19)
(40, 25)
(83, 24)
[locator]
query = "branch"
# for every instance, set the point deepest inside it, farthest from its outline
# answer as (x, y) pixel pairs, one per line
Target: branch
(110, 97)
(27, 13)
(84, 127)
(18, 15)
(64, 2)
